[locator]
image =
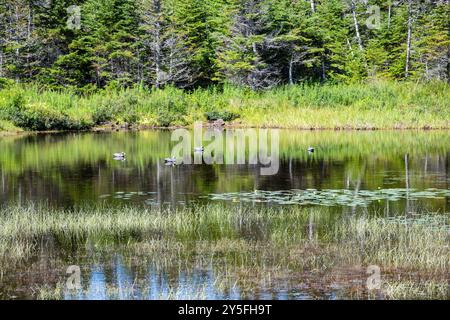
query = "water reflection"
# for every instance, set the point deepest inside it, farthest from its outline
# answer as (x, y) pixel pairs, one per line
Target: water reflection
(69, 169)
(400, 172)
(121, 282)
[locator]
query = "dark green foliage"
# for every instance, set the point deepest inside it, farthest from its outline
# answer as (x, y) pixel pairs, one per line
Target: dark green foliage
(190, 43)
(5, 83)
(123, 108)
(42, 118)
(224, 115)
(166, 119)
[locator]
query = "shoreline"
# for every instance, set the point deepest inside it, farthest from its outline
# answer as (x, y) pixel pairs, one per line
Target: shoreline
(124, 127)
(102, 129)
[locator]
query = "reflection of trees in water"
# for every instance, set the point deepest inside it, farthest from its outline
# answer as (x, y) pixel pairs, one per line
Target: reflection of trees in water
(72, 168)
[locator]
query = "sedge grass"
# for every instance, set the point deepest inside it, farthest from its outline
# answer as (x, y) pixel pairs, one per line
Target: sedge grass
(246, 247)
(377, 105)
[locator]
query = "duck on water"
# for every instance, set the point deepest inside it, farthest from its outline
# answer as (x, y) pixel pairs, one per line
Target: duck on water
(170, 161)
(120, 156)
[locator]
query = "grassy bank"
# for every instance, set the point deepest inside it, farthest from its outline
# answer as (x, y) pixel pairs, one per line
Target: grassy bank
(245, 246)
(378, 105)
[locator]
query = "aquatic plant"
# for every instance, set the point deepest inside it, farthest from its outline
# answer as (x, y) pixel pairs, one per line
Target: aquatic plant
(330, 197)
(247, 248)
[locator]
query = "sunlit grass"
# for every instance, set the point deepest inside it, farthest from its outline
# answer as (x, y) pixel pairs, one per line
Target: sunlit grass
(391, 243)
(401, 290)
(377, 105)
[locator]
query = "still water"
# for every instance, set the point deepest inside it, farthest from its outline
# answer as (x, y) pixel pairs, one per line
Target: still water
(379, 172)
(69, 169)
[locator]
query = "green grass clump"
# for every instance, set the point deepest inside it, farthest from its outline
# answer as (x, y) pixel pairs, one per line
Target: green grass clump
(396, 244)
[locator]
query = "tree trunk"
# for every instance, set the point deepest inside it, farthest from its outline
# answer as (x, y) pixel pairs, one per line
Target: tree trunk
(448, 65)
(408, 41)
(324, 75)
(1, 64)
(291, 66)
(157, 8)
(313, 6)
(389, 16)
(355, 21)
(253, 75)
(29, 30)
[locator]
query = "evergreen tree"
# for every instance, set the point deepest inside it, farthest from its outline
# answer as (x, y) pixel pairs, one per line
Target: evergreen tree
(254, 43)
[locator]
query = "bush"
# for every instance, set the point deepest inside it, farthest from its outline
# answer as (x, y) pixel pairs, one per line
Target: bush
(39, 117)
(224, 115)
(103, 114)
(166, 119)
(116, 109)
(5, 83)
(16, 102)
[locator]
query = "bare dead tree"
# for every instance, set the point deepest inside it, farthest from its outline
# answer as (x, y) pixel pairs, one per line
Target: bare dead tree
(313, 6)
(408, 41)
(251, 40)
(169, 63)
(355, 21)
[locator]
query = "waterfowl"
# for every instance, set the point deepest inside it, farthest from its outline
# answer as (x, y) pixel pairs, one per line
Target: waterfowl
(170, 160)
(119, 155)
(310, 149)
(199, 149)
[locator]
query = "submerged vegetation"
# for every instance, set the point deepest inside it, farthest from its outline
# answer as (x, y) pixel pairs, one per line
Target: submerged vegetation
(379, 105)
(244, 246)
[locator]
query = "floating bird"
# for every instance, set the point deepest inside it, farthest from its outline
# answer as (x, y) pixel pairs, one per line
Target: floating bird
(119, 155)
(199, 149)
(310, 149)
(170, 160)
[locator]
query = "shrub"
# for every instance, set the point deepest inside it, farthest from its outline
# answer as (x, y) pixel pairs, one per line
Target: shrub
(16, 102)
(103, 114)
(165, 119)
(115, 109)
(224, 115)
(39, 117)
(5, 83)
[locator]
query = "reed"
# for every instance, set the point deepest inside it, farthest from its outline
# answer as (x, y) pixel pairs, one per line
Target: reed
(250, 248)
(377, 105)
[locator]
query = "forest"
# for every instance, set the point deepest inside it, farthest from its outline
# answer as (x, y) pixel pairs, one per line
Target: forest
(254, 43)
(82, 47)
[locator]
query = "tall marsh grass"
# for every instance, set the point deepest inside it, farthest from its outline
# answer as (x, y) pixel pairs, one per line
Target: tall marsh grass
(358, 240)
(378, 105)
(247, 247)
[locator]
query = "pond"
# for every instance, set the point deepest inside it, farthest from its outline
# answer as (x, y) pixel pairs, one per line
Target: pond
(385, 174)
